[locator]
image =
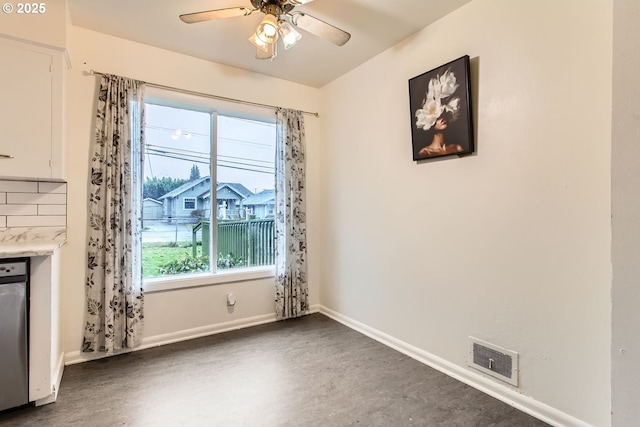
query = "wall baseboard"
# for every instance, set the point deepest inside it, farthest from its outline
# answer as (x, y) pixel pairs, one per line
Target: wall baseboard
(488, 386)
(187, 334)
(204, 331)
(173, 337)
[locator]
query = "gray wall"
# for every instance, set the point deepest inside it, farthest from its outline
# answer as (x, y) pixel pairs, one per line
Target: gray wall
(625, 183)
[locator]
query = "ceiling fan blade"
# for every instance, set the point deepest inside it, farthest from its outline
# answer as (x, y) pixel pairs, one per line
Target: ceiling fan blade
(191, 18)
(320, 28)
(299, 2)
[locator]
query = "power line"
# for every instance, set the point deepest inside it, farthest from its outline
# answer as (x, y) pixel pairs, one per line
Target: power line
(230, 162)
(220, 164)
(154, 146)
(220, 138)
(179, 156)
(245, 169)
(199, 154)
(242, 141)
(269, 162)
(222, 158)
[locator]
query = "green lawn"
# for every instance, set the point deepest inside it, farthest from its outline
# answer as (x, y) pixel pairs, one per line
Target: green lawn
(159, 254)
(155, 255)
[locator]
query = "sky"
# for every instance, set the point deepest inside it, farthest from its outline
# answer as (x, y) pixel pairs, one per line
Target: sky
(176, 139)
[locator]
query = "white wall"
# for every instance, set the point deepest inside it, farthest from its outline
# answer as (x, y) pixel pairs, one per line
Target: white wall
(48, 28)
(625, 349)
(170, 313)
(511, 245)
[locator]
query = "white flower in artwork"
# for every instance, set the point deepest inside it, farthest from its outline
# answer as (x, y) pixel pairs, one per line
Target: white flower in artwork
(429, 113)
(448, 84)
(441, 86)
(453, 107)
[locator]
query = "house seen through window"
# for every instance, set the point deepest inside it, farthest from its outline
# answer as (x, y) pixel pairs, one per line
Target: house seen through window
(208, 190)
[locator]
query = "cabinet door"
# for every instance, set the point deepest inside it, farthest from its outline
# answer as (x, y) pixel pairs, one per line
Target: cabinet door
(25, 112)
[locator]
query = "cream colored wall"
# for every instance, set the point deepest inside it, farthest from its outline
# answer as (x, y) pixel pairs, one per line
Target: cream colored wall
(171, 312)
(511, 245)
(48, 28)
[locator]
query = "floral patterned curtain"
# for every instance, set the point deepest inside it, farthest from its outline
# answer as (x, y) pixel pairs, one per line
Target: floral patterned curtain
(292, 292)
(114, 300)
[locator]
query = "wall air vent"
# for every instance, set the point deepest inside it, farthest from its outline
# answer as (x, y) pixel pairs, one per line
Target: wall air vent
(493, 360)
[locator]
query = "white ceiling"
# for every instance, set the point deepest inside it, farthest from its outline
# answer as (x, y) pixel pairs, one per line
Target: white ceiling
(375, 25)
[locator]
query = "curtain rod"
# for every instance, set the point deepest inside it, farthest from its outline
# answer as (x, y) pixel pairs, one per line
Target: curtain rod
(207, 95)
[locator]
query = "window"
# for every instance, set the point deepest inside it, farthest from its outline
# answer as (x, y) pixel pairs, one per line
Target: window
(203, 165)
(189, 203)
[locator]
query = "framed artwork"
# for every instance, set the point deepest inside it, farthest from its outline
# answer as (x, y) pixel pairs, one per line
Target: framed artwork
(440, 102)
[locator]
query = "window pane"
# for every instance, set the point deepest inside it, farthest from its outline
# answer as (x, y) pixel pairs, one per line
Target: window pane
(189, 203)
(177, 191)
(245, 192)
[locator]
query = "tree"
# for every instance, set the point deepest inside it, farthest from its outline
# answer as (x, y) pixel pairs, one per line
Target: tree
(195, 173)
(155, 188)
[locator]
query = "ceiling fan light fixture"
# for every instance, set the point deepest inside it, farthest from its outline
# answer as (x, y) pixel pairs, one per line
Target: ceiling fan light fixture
(267, 31)
(270, 53)
(290, 37)
(257, 42)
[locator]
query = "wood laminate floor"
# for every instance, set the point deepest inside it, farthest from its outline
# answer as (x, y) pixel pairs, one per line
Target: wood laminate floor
(310, 371)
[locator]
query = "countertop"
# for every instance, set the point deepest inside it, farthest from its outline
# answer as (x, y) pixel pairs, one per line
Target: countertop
(27, 249)
(26, 242)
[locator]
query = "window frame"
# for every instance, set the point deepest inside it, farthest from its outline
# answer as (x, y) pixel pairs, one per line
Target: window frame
(192, 199)
(177, 99)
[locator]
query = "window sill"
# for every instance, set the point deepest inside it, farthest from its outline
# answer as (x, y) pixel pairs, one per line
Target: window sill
(160, 284)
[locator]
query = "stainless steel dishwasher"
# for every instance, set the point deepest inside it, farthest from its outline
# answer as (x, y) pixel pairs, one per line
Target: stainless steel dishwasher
(14, 332)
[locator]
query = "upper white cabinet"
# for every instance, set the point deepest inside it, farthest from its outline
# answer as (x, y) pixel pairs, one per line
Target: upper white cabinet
(31, 111)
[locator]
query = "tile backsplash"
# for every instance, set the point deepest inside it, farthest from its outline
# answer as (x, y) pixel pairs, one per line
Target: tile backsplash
(33, 204)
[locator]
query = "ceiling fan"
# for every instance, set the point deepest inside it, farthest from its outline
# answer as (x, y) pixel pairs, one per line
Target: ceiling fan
(278, 22)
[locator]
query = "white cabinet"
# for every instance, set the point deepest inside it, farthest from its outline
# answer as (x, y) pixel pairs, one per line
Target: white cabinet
(46, 358)
(31, 108)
